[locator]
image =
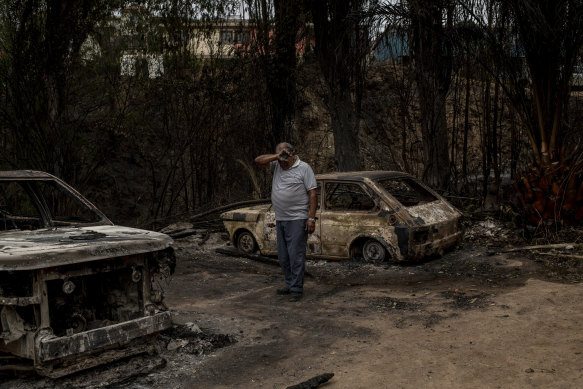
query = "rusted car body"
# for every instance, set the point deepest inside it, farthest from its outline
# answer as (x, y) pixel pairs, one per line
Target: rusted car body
(377, 215)
(75, 290)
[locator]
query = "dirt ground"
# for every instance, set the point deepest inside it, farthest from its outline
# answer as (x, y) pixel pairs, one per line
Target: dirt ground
(471, 318)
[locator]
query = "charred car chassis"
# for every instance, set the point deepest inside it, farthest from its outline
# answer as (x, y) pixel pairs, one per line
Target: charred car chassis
(77, 291)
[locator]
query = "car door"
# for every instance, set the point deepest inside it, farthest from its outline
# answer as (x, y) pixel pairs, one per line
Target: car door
(269, 232)
(314, 246)
(348, 211)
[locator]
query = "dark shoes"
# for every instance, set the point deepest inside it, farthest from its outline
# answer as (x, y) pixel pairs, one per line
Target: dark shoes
(295, 296)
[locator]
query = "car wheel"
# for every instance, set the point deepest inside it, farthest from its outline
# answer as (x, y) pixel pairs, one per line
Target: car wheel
(373, 251)
(246, 242)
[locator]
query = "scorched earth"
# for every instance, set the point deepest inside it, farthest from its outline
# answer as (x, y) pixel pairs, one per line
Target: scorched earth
(476, 317)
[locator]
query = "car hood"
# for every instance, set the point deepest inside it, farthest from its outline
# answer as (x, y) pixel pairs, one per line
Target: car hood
(247, 214)
(27, 250)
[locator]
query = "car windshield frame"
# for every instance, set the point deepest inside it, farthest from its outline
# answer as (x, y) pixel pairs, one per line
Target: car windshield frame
(43, 218)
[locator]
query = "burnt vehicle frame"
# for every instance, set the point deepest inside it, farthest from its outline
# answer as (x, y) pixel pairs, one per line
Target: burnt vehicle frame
(375, 215)
(76, 290)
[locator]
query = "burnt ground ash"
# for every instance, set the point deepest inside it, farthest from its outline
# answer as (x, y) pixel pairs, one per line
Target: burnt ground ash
(190, 339)
(461, 300)
(227, 295)
(429, 309)
(385, 304)
(560, 267)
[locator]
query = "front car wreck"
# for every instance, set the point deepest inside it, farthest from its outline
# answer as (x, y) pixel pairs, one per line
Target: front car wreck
(76, 291)
(375, 215)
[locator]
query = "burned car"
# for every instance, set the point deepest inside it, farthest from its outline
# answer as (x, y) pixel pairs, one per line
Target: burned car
(375, 215)
(76, 291)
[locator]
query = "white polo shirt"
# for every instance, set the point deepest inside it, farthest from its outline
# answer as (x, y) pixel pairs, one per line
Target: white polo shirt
(289, 190)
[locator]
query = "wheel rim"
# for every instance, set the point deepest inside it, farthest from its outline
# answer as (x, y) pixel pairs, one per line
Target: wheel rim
(246, 242)
(373, 251)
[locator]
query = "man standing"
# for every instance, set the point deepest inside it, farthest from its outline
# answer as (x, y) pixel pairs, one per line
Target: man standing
(293, 195)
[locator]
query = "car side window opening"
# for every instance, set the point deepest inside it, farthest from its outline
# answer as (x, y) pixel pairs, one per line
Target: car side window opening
(407, 192)
(341, 196)
(318, 195)
(17, 209)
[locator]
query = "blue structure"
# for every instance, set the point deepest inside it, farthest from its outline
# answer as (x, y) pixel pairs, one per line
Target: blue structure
(391, 46)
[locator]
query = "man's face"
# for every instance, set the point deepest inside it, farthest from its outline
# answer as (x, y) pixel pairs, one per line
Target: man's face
(288, 162)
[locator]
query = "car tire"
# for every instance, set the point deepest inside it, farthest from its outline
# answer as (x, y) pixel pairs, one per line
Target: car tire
(246, 242)
(373, 251)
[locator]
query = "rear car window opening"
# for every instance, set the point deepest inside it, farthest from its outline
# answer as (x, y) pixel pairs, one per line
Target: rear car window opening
(406, 191)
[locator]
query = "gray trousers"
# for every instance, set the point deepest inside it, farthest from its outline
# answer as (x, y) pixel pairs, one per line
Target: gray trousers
(292, 239)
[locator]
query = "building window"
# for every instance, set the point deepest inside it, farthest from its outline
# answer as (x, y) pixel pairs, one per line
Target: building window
(226, 37)
(128, 65)
(155, 65)
(243, 37)
(150, 65)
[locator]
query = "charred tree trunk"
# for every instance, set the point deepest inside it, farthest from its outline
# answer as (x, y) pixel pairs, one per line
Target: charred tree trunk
(432, 56)
(340, 50)
(454, 135)
(435, 136)
(485, 129)
(281, 75)
(276, 40)
(345, 130)
(468, 86)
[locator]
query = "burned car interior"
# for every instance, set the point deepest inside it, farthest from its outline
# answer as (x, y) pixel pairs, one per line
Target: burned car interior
(407, 192)
(348, 196)
(76, 291)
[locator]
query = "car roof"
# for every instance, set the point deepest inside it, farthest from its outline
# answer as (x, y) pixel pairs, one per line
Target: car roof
(361, 175)
(24, 174)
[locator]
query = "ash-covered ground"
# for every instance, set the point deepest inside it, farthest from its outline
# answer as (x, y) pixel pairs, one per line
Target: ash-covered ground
(482, 315)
